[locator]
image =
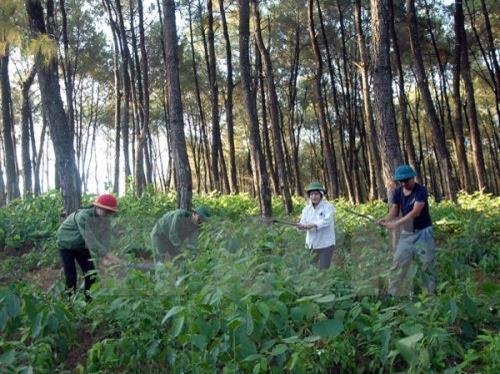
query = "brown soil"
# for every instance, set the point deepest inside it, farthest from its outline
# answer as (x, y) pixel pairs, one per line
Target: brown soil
(78, 355)
(15, 252)
(480, 277)
(44, 277)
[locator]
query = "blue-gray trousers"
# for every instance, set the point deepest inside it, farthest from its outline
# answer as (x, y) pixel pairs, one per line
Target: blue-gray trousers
(323, 256)
(417, 245)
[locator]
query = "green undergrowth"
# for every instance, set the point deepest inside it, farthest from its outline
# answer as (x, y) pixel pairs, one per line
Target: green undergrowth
(247, 299)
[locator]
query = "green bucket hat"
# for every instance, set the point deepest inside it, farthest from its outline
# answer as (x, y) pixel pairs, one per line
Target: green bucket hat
(404, 172)
(315, 186)
(203, 212)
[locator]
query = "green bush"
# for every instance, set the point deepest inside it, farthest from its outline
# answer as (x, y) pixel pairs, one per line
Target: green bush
(248, 300)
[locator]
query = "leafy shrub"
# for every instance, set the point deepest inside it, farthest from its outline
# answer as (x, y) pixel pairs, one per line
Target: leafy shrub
(36, 330)
(248, 300)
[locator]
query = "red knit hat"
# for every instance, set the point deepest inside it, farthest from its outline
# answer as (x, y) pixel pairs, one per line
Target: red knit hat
(107, 202)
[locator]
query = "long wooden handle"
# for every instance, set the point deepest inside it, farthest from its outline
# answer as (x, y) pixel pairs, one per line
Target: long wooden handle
(285, 222)
(279, 221)
(371, 219)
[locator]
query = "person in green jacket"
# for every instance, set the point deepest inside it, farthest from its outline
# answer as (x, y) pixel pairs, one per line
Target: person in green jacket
(174, 228)
(84, 232)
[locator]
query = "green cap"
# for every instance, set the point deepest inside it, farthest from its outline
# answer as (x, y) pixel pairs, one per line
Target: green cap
(203, 212)
(315, 186)
(404, 172)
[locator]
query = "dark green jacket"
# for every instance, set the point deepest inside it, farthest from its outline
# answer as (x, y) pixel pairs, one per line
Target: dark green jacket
(171, 230)
(84, 229)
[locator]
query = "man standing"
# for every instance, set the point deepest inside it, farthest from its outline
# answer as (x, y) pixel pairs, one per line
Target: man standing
(317, 220)
(82, 232)
(171, 230)
(417, 239)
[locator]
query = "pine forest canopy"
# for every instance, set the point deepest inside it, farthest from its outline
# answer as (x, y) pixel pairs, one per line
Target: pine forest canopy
(248, 96)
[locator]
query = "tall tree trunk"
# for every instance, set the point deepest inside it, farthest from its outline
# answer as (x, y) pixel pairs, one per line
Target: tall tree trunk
(182, 167)
(67, 69)
(373, 155)
(125, 53)
(258, 163)
(403, 101)
(292, 100)
(140, 131)
(208, 166)
(118, 98)
(62, 137)
(229, 102)
(462, 165)
(442, 81)
(196, 155)
(8, 129)
(38, 163)
(383, 105)
(432, 118)
(336, 191)
(274, 112)
(492, 50)
(2, 188)
(203, 125)
(26, 117)
(214, 98)
(145, 89)
(475, 134)
(34, 177)
(266, 146)
(331, 171)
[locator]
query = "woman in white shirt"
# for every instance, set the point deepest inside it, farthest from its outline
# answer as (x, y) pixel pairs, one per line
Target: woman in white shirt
(317, 220)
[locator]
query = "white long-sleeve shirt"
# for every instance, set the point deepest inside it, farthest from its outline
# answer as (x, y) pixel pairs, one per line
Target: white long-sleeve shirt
(323, 217)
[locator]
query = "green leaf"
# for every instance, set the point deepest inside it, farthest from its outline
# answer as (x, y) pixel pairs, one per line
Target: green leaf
(234, 324)
(281, 308)
(116, 304)
(411, 328)
(179, 281)
(252, 358)
(279, 349)
(328, 328)
(7, 358)
(490, 289)
(311, 297)
(36, 325)
(13, 305)
(268, 344)
(172, 312)
(385, 340)
(453, 309)
(199, 341)
(407, 347)
(263, 309)
(293, 361)
(340, 314)
(153, 348)
(177, 325)
(3, 318)
(326, 299)
(470, 307)
(291, 339)
(246, 346)
(256, 368)
(312, 338)
(297, 313)
(26, 370)
(249, 321)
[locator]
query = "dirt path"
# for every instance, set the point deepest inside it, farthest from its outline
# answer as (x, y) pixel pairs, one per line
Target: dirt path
(44, 277)
(78, 354)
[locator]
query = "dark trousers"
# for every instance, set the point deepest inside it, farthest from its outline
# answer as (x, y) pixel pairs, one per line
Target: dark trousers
(82, 256)
(323, 256)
